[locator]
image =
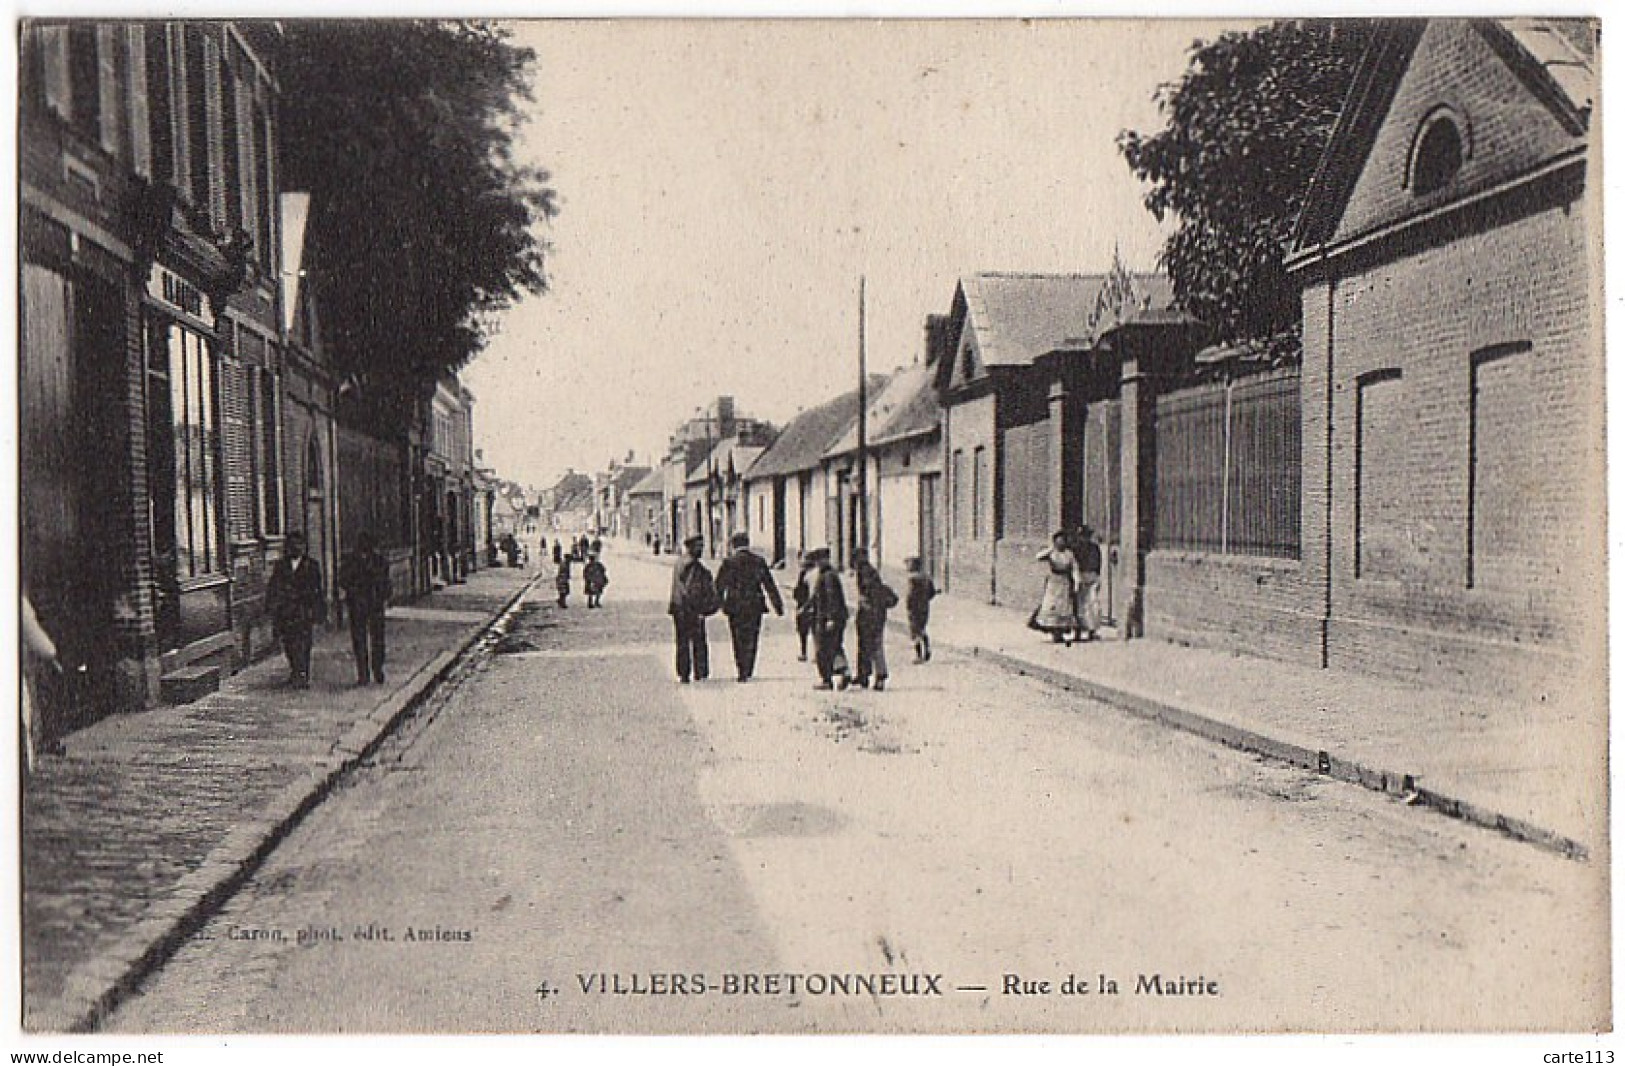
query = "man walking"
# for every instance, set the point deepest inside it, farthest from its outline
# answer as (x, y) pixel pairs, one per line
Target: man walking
(693, 599)
(364, 577)
(875, 598)
(745, 585)
(829, 624)
(293, 599)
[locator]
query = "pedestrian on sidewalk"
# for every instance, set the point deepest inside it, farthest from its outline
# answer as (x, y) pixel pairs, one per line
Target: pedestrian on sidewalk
(745, 586)
(803, 594)
(558, 552)
(693, 600)
(1057, 610)
(1089, 567)
(561, 579)
(875, 598)
(364, 578)
(42, 652)
(594, 579)
(829, 624)
(921, 591)
(293, 599)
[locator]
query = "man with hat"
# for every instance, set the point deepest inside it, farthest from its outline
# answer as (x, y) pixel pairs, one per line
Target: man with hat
(293, 600)
(746, 586)
(693, 599)
(829, 624)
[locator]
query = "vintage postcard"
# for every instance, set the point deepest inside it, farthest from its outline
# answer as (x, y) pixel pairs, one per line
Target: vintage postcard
(667, 526)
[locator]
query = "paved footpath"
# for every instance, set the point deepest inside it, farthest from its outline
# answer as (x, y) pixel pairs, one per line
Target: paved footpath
(150, 819)
(1535, 766)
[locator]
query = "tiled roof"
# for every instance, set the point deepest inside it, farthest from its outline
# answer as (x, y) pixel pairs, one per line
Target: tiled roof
(906, 407)
(809, 435)
(1019, 317)
(652, 484)
(1566, 49)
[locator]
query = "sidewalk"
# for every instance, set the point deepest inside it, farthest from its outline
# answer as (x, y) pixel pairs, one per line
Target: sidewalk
(150, 819)
(1537, 772)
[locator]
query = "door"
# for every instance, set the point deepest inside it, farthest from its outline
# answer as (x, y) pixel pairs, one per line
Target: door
(1102, 495)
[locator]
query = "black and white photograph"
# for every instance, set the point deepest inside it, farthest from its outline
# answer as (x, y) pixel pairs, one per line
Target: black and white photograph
(723, 526)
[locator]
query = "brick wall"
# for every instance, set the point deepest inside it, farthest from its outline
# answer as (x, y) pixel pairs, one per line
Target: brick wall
(1503, 550)
(970, 560)
(1240, 603)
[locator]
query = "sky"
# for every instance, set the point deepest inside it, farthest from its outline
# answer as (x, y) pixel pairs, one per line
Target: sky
(724, 185)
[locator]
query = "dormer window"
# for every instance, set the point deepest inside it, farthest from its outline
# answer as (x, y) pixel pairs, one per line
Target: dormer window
(1438, 154)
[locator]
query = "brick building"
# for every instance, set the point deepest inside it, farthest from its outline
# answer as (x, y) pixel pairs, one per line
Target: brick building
(151, 359)
(1452, 374)
(1013, 465)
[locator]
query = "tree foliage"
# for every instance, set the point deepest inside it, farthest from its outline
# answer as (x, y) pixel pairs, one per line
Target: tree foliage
(1246, 127)
(423, 223)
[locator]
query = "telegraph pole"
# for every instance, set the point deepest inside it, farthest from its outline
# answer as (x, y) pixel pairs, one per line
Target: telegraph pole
(862, 520)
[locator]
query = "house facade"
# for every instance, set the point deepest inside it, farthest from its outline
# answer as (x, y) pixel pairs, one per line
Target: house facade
(151, 333)
(1452, 369)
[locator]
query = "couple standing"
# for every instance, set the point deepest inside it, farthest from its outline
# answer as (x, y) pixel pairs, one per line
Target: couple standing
(1069, 608)
(742, 590)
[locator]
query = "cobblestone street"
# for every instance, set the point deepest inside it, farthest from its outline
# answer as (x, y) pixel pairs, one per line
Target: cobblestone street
(145, 810)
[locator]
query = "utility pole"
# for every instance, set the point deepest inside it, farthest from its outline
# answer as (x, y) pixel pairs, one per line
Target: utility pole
(862, 520)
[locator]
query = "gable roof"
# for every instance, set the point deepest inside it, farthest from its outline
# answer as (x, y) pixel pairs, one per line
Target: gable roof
(906, 407)
(1555, 59)
(651, 484)
(809, 435)
(1019, 317)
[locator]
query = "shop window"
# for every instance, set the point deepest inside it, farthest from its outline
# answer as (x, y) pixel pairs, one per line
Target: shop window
(184, 426)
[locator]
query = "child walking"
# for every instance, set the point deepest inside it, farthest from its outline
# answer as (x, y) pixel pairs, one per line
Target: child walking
(921, 590)
(803, 596)
(595, 578)
(561, 581)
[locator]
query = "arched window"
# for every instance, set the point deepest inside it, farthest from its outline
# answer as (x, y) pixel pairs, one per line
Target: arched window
(1438, 154)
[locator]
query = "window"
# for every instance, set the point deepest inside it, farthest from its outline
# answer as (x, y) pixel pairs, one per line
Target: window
(978, 494)
(1438, 155)
(84, 79)
(961, 506)
(160, 104)
(186, 451)
(197, 117)
(233, 149)
(266, 453)
(263, 214)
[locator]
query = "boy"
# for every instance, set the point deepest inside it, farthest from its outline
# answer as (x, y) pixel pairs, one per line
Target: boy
(803, 598)
(595, 578)
(561, 580)
(921, 590)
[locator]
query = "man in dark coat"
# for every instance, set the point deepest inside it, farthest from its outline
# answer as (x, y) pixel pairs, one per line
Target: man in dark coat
(875, 598)
(693, 598)
(746, 586)
(829, 624)
(293, 599)
(364, 577)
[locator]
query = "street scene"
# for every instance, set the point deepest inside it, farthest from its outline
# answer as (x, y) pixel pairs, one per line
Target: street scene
(662, 527)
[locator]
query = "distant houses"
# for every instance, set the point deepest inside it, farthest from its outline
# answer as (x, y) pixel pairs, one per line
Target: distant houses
(1419, 495)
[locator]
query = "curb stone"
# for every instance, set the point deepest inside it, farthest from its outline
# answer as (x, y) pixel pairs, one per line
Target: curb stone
(96, 988)
(1320, 761)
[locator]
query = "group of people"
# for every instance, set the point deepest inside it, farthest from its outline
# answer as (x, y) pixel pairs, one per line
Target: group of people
(594, 574)
(744, 590)
(1069, 608)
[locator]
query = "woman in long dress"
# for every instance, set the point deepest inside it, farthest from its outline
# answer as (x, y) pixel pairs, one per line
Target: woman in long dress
(1057, 611)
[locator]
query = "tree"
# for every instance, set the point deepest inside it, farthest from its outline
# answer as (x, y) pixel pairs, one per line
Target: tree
(1246, 127)
(423, 223)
